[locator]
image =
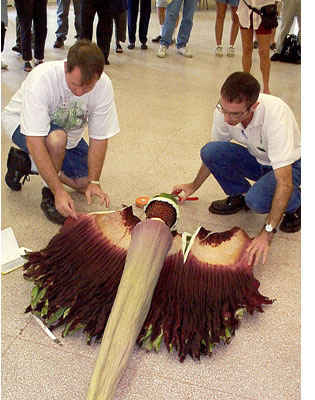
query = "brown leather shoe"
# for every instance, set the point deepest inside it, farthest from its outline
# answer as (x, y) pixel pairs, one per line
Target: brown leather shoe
(230, 205)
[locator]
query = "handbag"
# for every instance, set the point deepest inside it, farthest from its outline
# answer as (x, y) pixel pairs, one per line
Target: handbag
(268, 13)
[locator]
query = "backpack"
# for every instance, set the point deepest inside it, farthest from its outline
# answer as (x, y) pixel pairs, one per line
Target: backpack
(291, 50)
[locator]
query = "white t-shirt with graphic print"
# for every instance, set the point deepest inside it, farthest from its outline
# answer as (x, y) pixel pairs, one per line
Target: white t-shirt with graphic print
(45, 97)
(272, 136)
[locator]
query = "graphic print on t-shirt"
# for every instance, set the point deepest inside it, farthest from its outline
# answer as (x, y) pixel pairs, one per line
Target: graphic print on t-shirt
(70, 114)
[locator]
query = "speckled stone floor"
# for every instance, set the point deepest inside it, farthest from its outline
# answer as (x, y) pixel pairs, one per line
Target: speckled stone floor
(165, 109)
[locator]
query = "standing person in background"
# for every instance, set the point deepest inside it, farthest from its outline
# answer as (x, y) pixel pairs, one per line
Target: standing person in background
(145, 13)
(250, 22)
(63, 21)
(172, 12)
(30, 11)
(161, 11)
(221, 6)
(120, 20)
(4, 23)
(104, 29)
(290, 9)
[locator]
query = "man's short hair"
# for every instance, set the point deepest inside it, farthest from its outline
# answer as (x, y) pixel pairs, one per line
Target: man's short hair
(88, 57)
(241, 87)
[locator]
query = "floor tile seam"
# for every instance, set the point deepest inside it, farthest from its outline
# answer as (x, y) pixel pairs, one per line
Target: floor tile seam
(53, 346)
(14, 339)
(187, 383)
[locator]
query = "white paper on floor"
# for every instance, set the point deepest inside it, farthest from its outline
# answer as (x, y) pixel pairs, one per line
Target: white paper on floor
(11, 253)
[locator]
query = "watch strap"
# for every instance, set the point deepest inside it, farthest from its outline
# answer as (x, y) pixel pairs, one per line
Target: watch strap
(95, 182)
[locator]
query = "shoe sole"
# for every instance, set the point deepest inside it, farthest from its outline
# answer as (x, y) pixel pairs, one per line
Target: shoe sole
(48, 216)
(214, 211)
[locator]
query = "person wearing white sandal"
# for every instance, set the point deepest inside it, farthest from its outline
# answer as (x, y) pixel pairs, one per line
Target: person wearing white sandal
(172, 12)
(221, 7)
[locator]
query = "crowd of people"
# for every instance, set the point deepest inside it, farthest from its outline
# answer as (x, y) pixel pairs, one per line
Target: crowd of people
(31, 23)
(67, 96)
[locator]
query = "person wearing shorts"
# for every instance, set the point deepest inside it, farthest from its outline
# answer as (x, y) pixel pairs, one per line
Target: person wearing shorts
(221, 6)
(250, 22)
(46, 119)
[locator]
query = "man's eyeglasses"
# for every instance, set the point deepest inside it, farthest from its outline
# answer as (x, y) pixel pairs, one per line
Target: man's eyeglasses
(232, 115)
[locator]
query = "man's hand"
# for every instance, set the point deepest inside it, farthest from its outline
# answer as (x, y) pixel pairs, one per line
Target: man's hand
(187, 188)
(95, 190)
(64, 204)
(259, 247)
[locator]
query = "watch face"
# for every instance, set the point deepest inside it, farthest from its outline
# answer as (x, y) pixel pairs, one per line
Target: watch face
(269, 228)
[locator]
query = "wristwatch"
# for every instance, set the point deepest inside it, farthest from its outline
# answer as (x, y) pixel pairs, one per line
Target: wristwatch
(95, 182)
(269, 228)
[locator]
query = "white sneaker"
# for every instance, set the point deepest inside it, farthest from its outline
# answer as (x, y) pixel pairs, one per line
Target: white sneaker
(230, 51)
(184, 52)
(218, 51)
(162, 51)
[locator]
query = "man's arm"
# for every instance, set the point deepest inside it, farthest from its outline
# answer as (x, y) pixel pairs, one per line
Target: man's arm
(96, 157)
(261, 243)
(190, 188)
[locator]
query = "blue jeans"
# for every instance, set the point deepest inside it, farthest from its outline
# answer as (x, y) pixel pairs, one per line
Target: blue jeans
(231, 164)
(62, 18)
(75, 162)
(186, 24)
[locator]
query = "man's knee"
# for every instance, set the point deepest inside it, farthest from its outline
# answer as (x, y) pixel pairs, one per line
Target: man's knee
(213, 152)
(256, 203)
(56, 141)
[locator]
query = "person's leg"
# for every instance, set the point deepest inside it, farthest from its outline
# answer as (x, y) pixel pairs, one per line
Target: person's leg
(88, 11)
(104, 28)
(133, 8)
(298, 14)
(189, 7)
(62, 19)
(260, 196)
(219, 21)
(24, 9)
(235, 25)
(40, 29)
(77, 18)
(145, 13)
(3, 31)
(247, 46)
(231, 164)
(172, 12)
(264, 56)
(74, 170)
(21, 164)
(287, 17)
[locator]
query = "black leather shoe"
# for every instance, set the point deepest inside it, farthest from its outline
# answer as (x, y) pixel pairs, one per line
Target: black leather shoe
(157, 39)
(291, 222)
(48, 206)
(275, 57)
(17, 48)
(131, 46)
(19, 166)
(59, 43)
(230, 205)
(144, 46)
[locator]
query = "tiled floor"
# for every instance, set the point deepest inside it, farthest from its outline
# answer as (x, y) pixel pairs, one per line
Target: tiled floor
(165, 110)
